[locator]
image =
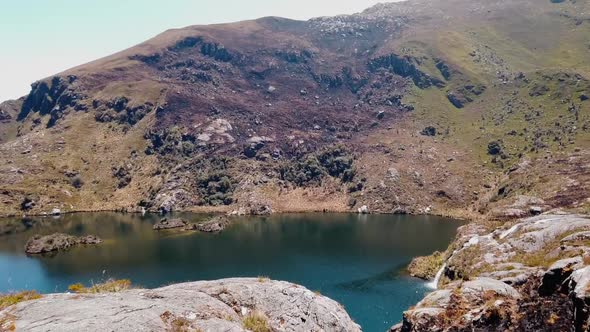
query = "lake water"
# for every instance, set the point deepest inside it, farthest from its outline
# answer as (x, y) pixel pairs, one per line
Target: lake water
(353, 259)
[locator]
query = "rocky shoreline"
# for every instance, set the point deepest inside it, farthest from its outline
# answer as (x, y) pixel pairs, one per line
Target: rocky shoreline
(531, 274)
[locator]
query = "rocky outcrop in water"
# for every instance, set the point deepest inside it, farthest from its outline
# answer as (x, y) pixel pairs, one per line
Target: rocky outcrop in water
(214, 225)
(57, 242)
(222, 305)
(170, 224)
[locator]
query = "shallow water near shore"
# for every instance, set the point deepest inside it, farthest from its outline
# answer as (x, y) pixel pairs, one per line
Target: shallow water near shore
(356, 260)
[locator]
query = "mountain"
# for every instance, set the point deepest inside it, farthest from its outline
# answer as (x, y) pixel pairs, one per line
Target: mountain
(450, 107)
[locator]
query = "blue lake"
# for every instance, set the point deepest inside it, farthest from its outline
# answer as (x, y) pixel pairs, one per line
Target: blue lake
(353, 259)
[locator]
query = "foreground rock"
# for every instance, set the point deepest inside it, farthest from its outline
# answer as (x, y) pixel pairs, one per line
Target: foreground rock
(528, 275)
(462, 306)
(222, 305)
(57, 242)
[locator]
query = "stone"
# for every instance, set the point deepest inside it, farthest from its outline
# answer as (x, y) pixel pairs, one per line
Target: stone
(215, 225)
(474, 289)
(577, 237)
(428, 131)
(458, 99)
(363, 210)
(254, 144)
(535, 210)
(170, 224)
(256, 208)
(523, 201)
(508, 213)
(57, 242)
(580, 282)
(393, 174)
(55, 212)
(495, 148)
(219, 305)
(557, 273)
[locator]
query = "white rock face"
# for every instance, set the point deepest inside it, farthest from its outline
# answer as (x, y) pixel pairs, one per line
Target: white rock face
(363, 210)
(205, 305)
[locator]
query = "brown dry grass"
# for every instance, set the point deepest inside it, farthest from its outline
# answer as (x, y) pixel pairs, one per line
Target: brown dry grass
(7, 300)
(256, 322)
(111, 286)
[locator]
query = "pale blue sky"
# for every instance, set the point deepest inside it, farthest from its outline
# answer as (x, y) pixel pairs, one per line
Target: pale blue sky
(39, 38)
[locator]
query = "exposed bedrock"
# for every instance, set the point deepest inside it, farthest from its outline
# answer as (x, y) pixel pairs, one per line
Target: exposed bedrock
(221, 305)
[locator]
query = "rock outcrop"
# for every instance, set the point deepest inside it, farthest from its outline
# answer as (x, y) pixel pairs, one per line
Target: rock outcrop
(222, 305)
(57, 242)
(170, 224)
(215, 225)
(529, 275)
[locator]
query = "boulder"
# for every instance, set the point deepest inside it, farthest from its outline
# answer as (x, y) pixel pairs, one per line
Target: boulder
(495, 148)
(458, 98)
(508, 213)
(259, 209)
(220, 305)
(393, 174)
(428, 131)
(57, 242)
(557, 273)
(536, 210)
(474, 289)
(363, 210)
(576, 237)
(169, 224)
(254, 144)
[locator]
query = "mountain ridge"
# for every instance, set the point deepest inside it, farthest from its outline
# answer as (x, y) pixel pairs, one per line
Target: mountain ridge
(447, 107)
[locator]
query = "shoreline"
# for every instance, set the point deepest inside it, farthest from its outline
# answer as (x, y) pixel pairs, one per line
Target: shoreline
(474, 218)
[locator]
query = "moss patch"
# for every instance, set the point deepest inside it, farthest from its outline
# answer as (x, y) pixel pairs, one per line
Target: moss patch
(426, 267)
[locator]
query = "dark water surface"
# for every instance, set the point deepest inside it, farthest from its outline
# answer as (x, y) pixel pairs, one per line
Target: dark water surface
(355, 260)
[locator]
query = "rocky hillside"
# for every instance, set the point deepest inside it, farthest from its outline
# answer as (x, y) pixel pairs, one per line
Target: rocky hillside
(221, 305)
(451, 107)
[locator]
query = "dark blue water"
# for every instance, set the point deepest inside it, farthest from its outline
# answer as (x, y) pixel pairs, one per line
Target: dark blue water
(355, 260)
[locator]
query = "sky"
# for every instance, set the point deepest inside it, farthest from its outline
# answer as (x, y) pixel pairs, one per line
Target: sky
(40, 38)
